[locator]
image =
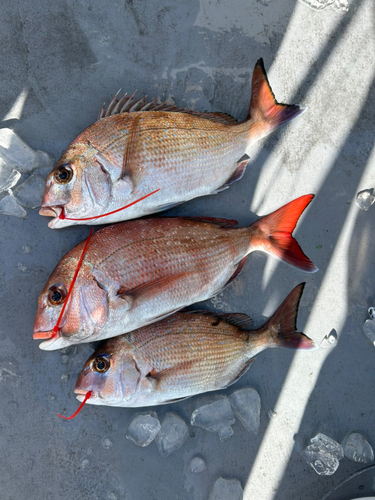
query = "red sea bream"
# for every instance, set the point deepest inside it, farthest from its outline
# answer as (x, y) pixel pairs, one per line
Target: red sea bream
(136, 148)
(184, 355)
(138, 272)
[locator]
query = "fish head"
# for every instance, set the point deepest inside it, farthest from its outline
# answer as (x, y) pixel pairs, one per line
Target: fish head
(86, 309)
(111, 373)
(78, 187)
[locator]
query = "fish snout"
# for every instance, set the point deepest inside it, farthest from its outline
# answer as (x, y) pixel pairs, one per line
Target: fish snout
(50, 211)
(89, 380)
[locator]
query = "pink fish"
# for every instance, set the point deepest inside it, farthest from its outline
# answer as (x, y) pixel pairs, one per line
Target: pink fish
(184, 355)
(136, 148)
(138, 272)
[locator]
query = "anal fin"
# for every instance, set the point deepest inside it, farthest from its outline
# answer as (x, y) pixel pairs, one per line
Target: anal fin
(237, 271)
(237, 174)
(243, 370)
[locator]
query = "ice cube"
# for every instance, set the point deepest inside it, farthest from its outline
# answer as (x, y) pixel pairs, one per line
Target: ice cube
(8, 181)
(44, 163)
(365, 199)
(44, 160)
(371, 312)
(225, 433)
(357, 448)
(197, 465)
(5, 173)
(246, 405)
(30, 193)
(16, 152)
(323, 454)
(9, 206)
(225, 489)
(214, 416)
(143, 429)
(369, 328)
(330, 340)
(172, 435)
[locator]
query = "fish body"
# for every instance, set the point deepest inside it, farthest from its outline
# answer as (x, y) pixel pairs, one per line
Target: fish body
(184, 355)
(124, 156)
(138, 272)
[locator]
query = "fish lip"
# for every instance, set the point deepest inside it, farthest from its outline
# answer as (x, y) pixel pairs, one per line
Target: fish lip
(54, 343)
(81, 392)
(51, 211)
(49, 334)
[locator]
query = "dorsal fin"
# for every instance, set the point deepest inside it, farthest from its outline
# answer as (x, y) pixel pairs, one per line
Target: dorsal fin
(241, 321)
(128, 105)
(213, 220)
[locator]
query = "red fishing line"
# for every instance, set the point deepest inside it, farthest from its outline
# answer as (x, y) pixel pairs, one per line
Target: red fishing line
(56, 327)
(62, 216)
(88, 395)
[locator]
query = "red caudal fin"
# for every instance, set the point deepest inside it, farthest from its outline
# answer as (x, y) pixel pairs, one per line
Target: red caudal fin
(273, 234)
(264, 109)
(282, 326)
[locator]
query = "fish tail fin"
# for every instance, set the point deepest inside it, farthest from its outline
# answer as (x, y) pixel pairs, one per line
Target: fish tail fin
(273, 234)
(282, 326)
(265, 111)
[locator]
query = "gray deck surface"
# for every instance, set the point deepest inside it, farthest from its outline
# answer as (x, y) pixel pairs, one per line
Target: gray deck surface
(59, 62)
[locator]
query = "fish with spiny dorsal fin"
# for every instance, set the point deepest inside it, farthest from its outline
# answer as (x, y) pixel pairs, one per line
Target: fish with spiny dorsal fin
(189, 353)
(136, 148)
(138, 272)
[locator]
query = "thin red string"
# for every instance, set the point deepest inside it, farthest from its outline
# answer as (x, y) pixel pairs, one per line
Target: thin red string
(56, 327)
(62, 216)
(88, 395)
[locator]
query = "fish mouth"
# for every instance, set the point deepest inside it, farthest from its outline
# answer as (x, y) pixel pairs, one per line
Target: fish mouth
(81, 394)
(44, 335)
(53, 211)
(54, 341)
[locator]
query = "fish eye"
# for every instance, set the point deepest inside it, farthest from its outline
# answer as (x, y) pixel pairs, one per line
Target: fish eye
(63, 174)
(101, 363)
(56, 295)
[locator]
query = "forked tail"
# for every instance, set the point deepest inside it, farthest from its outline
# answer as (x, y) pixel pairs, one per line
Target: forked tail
(282, 326)
(266, 113)
(273, 234)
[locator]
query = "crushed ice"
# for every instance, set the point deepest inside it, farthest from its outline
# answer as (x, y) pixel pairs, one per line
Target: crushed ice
(9, 206)
(323, 454)
(246, 405)
(172, 435)
(365, 199)
(340, 5)
(225, 489)
(143, 429)
(215, 417)
(357, 448)
(18, 161)
(330, 340)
